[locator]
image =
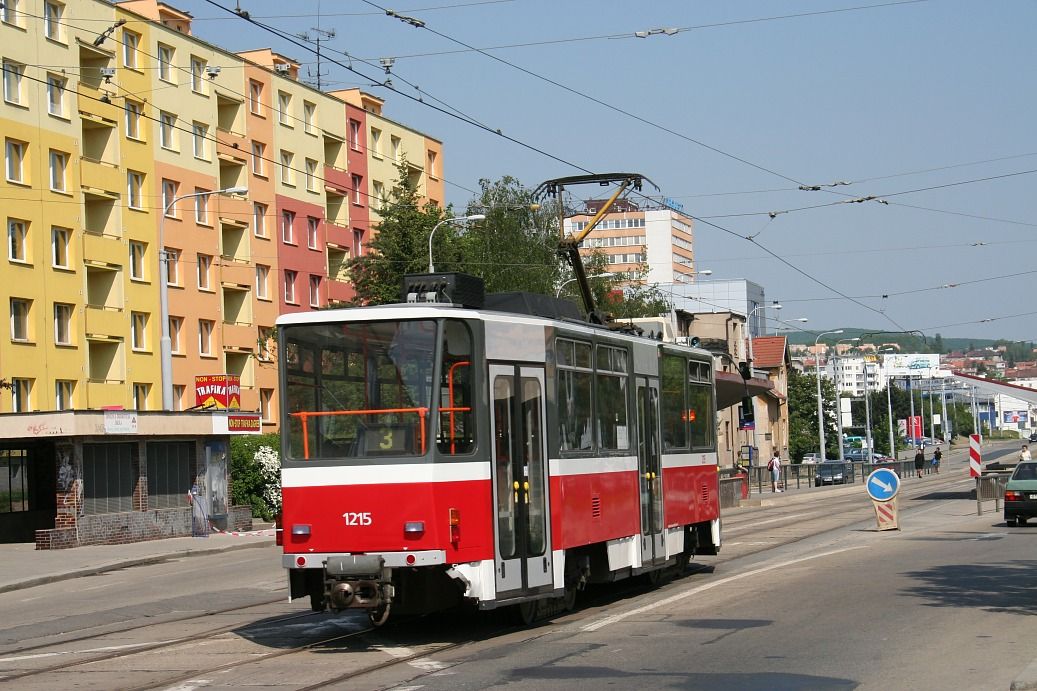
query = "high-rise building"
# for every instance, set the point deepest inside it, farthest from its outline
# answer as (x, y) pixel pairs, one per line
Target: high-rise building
(121, 131)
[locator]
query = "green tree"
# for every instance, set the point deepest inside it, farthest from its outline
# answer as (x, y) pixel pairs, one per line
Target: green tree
(802, 405)
(400, 244)
(249, 484)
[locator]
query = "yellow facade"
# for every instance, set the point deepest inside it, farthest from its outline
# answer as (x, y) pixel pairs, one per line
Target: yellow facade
(143, 113)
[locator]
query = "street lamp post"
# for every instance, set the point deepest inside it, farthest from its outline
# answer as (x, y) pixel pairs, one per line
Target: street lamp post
(867, 412)
(165, 343)
(606, 274)
(820, 408)
(838, 398)
(455, 219)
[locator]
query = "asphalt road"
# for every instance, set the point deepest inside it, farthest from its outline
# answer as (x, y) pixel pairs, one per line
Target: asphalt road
(806, 595)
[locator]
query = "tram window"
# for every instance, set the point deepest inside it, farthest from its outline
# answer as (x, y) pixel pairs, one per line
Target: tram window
(574, 395)
(700, 415)
(456, 429)
(674, 404)
(613, 429)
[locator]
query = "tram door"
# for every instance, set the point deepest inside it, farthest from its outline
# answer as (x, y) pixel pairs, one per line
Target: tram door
(649, 468)
(519, 419)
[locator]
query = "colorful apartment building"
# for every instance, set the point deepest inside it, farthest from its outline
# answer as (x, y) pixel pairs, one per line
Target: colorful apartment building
(132, 149)
(631, 236)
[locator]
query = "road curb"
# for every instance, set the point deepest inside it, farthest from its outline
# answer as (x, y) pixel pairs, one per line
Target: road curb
(127, 563)
(1027, 679)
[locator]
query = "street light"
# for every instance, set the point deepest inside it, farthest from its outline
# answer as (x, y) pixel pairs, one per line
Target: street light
(820, 410)
(165, 344)
(455, 219)
(606, 274)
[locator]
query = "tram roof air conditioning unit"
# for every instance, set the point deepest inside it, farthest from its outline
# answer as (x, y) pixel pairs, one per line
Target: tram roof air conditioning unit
(450, 288)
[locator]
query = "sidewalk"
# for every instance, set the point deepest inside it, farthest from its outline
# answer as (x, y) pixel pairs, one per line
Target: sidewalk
(25, 567)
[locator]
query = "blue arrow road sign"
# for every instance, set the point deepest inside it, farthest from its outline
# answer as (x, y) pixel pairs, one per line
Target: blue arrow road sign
(883, 484)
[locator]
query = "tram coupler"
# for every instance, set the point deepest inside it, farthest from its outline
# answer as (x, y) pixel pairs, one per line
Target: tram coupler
(357, 581)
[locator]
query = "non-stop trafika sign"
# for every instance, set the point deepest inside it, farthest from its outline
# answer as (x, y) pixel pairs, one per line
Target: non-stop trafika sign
(218, 391)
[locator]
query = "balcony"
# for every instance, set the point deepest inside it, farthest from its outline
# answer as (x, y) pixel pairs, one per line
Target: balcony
(88, 101)
(240, 337)
(336, 181)
(231, 147)
(234, 210)
(234, 273)
(101, 176)
(104, 249)
(103, 321)
(340, 292)
(338, 234)
(100, 394)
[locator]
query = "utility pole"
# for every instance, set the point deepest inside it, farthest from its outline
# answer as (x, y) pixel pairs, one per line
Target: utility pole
(945, 428)
(319, 35)
(911, 420)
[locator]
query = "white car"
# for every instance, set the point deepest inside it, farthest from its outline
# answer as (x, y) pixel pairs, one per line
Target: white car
(812, 458)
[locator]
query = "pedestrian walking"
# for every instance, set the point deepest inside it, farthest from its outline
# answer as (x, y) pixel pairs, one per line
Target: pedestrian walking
(774, 465)
(1024, 455)
(937, 457)
(919, 462)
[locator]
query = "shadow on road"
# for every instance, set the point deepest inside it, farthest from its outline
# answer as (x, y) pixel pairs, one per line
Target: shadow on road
(1001, 587)
(744, 681)
(967, 494)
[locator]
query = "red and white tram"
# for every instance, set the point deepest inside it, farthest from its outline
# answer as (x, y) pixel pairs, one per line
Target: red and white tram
(435, 454)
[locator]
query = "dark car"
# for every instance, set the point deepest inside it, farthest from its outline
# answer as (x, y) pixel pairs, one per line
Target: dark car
(1033, 438)
(1021, 494)
(831, 473)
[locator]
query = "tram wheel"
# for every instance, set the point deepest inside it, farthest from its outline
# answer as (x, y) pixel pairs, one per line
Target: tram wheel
(569, 599)
(380, 615)
(525, 613)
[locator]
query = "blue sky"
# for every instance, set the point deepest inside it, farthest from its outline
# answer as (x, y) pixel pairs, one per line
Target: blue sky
(864, 95)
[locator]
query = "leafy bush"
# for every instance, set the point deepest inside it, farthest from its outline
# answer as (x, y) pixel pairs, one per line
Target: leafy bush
(255, 473)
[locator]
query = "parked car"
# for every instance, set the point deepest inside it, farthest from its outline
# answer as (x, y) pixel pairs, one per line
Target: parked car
(1021, 494)
(856, 455)
(811, 458)
(1033, 438)
(831, 473)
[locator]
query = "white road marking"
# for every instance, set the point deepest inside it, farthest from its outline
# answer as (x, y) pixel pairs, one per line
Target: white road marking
(106, 649)
(423, 663)
(190, 685)
(615, 618)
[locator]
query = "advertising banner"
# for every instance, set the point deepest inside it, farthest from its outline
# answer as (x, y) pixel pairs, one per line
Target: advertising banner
(910, 364)
(914, 427)
(1015, 415)
(219, 391)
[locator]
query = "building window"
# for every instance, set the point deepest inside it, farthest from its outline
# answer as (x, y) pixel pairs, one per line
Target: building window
(354, 135)
(20, 319)
(136, 260)
(377, 192)
(56, 95)
(52, 14)
(108, 478)
(178, 396)
(172, 266)
(62, 323)
(21, 390)
(13, 82)
(397, 149)
(169, 190)
(288, 227)
(134, 189)
(284, 104)
(309, 113)
(204, 270)
(58, 163)
(376, 143)
(175, 325)
(357, 181)
(133, 112)
(201, 206)
(432, 155)
(358, 242)
(139, 330)
(59, 238)
(171, 473)
(266, 397)
(258, 150)
(259, 219)
(205, 327)
(262, 282)
(314, 291)
(15, 151)
(255, 97)
(197, 75)
(140, 396)
(130, 41)
(289, 286)
(9, 12)
(312, 232)
(167, 130)
(63, 394)
(287, 175)
(199, 132)
(311, 175)
(165, 63)
(17, 236)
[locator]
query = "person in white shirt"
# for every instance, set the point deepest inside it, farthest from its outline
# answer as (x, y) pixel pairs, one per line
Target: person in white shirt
(774, 465)
(1024, 455)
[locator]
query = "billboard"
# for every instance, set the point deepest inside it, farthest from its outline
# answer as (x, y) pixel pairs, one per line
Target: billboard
(914, 427)
(1010, 416)
(219, 391)
(908, 364)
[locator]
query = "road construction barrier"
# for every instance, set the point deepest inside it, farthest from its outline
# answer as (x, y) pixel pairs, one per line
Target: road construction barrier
(990, 486)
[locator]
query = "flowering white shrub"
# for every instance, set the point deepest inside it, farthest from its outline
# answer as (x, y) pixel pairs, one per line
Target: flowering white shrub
(268, 461)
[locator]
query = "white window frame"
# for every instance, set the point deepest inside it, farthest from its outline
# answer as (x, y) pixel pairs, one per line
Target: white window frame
(255, 97)
(175, 326)
(354, 135)
(139, 331)
(314, 291)
(284, 107)
(166, 55)
(9, 13)
(262, 282)
(258, 154)
(173, 267)
(199, 133)
(311, 175)
(56, 95)
(130, 46)
(167, 138)
(198, 75)
(205, 272)
(309, 114)
(287, 174)
(63, 323)
(133, 111)
(18, 240)
(59, 247)
(138, 253)
(205, 329)
(312, 232)
(259, 219)
(52, 14)
(58, 171)
(15, 165)
(169, 195)
(201, 207)
(134, 189)
(288, 227)
(13, 73)
(63, 389)
(21, 388)
(140, 395)
(289, 286)
(357, 181)
(20, 321)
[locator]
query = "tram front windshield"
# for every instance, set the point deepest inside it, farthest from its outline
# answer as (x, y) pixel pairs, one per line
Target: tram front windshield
(358, 390)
